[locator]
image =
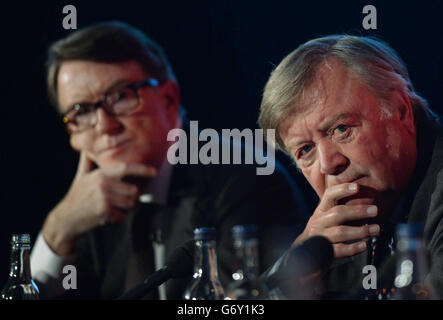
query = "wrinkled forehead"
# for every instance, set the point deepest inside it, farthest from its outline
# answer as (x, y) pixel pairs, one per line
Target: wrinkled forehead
(318, 88)
(333, 90)
(332, 82)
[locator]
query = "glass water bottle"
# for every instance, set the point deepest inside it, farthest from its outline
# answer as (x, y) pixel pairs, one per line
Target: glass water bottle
(246, 284)
(20, 285)
(412, 267)
(205, 284)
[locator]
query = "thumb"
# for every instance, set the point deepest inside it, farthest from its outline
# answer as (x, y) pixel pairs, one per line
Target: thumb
(85, 164)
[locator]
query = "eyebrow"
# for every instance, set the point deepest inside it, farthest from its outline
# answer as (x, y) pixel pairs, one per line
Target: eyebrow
(325, 126)
(117, 84)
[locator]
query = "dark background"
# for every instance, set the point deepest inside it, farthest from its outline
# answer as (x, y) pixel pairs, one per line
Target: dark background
(222, 53)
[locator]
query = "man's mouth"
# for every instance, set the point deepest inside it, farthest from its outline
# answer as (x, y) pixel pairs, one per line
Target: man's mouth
(357, 179)
(354, 201)
(114, 147)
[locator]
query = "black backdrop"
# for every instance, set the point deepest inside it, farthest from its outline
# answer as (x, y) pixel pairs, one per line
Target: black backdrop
(222, 53)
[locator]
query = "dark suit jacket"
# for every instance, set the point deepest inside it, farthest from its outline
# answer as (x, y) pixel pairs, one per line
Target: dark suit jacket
(114, 258)
(422, 203)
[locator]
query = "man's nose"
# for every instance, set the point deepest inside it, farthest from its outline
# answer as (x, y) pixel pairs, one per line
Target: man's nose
(332, 160)
(107, 123)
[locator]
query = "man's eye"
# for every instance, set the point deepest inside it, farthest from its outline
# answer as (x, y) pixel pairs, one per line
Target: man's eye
(304, 150)
(340, 130)
(121, 95)
(82, 110)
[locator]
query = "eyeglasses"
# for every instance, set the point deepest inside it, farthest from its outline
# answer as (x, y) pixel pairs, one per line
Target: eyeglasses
(118, 102)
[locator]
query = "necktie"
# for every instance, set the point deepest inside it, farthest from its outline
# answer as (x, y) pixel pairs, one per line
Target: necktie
(145, 224)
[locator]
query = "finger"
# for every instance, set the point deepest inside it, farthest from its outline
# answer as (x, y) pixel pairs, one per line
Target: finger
(335, 193)
(346, 233)
(85, 164)
(122, 188)
(342, 250)
(115, 215)
(130, 169)
(345, 213)
(123, 202)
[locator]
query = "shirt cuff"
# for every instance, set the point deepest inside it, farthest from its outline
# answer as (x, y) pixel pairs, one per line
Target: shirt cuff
(47, 268)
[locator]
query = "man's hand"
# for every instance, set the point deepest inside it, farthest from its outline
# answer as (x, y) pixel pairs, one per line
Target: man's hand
(328, 220)
(96, 197)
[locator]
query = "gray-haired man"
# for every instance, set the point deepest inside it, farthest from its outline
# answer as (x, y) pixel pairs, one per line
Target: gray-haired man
(345, 110)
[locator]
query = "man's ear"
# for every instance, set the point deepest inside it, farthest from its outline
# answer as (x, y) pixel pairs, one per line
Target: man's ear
(171, 93)
(405, 111)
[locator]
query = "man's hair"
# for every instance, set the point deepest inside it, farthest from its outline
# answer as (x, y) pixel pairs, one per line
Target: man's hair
(372, 60)
(107, 42)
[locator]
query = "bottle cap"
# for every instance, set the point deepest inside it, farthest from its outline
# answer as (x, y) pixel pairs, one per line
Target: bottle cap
(24, 238)
(204, 234)
(240, 232)
(410, 230)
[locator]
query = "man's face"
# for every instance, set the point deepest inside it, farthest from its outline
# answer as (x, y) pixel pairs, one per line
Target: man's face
(137, 138)
(342, 135)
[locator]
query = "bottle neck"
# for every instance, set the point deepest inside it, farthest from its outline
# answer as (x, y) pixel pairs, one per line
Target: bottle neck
(205, 265)
(20, 265)
(247, 253)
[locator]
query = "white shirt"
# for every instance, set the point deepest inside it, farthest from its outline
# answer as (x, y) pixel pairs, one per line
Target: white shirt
(47, 266)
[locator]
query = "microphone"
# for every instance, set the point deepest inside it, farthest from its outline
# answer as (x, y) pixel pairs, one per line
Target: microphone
(179, 264)
(314, 255)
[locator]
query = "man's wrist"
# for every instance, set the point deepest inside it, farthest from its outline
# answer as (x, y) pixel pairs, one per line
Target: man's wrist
(59, 238)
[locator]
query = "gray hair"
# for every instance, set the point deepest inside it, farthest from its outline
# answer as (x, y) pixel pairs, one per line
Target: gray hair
(371, 59)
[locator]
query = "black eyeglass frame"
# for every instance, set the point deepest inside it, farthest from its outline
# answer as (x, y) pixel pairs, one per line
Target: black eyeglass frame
(151, 82)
